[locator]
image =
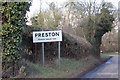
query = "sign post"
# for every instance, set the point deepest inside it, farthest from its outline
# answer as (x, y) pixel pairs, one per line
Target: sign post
(43, 53)
(47, 36)
(59, 50)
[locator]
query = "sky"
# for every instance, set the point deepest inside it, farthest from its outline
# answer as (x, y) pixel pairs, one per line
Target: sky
(34, 9)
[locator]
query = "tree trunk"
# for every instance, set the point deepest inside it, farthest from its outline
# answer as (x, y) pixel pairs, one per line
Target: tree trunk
(96, 42)
(96, 51)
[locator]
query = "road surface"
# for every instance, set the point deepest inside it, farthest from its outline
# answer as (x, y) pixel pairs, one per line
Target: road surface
(107, 70)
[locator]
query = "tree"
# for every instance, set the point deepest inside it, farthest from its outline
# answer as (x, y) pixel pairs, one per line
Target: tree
(96, 20)
(110, 41)
(96, 25)
(103, 25)
(48, 19)
(13, 22)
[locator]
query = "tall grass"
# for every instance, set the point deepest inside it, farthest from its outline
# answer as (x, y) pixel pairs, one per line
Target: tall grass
(63, 69)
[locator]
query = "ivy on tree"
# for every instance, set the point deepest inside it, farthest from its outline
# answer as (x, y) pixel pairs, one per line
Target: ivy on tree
(103, 25)
(96, 24)
(13, 22)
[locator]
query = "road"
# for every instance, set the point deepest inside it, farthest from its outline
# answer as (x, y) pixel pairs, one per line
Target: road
(108, 69)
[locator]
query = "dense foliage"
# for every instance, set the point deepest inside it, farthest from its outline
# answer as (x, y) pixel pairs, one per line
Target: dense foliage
(48, 19)
(13, 22)
(96, 26)
(103, 25)
(94, 20)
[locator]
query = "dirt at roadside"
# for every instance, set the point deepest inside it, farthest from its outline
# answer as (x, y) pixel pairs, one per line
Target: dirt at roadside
(90, 67)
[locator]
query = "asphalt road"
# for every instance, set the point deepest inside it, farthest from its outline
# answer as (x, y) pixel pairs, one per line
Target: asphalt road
(108, 69)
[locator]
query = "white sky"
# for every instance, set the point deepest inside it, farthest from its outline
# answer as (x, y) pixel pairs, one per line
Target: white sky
(36, 5)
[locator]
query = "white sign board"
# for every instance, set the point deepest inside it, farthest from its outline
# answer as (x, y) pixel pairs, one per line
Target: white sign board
(47, 36)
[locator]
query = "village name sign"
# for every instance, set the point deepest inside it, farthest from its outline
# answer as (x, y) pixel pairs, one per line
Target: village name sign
(47, 36)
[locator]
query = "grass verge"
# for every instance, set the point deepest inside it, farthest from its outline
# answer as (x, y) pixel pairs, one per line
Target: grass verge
(67, 68)
(112, 53)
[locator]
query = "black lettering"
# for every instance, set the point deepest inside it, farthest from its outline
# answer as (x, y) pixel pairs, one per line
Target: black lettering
(49, 34)
(35, 34)
(48, 39)
(54, 38)
(41, 39)
(46, 34)
(57, 34)
(42, 34)
(53, 34)
(39, 35)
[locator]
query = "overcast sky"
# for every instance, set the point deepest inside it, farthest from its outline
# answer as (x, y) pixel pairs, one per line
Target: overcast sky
(36, 4)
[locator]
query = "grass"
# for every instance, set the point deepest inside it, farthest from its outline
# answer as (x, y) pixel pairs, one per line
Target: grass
(105, 55)
(65, 69)
(112, 53)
